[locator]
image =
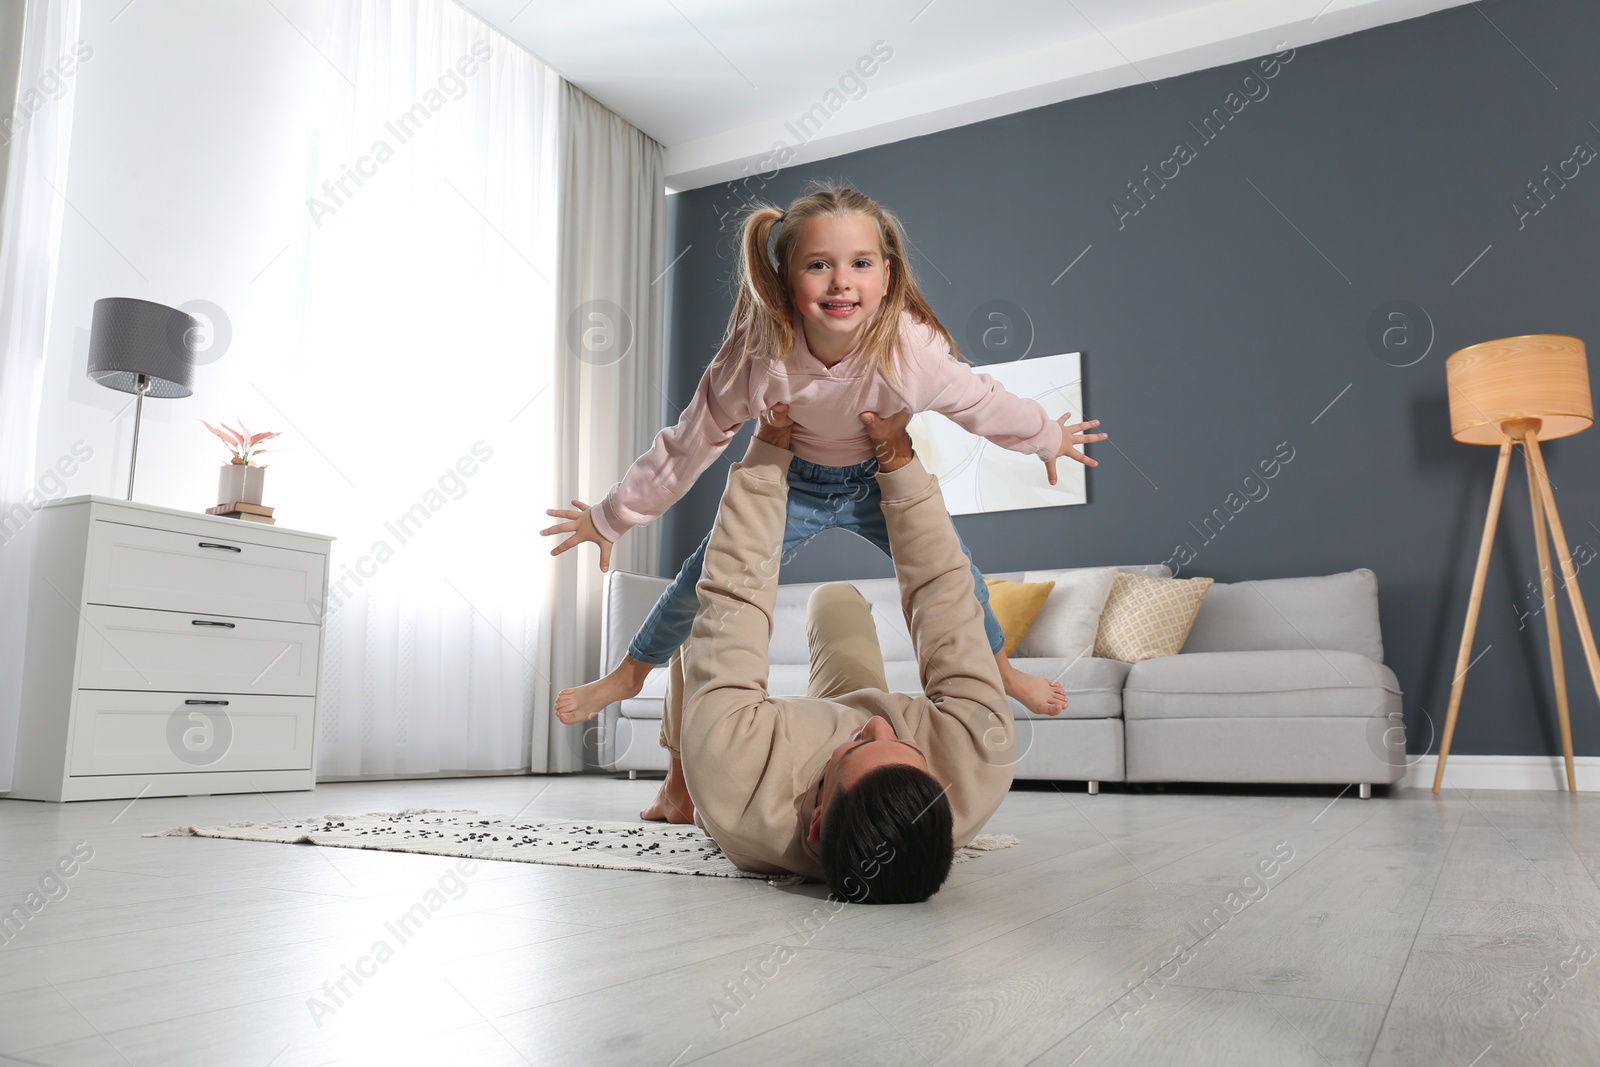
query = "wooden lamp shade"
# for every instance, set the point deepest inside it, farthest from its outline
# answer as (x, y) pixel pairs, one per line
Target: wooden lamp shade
(1521, 391)
(1542, 376)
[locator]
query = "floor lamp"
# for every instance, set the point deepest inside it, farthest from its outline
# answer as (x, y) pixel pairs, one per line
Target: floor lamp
(1523, 389)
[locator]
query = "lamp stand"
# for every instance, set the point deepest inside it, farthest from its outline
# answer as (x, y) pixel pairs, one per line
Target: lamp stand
(138, 413)
(1544, 508)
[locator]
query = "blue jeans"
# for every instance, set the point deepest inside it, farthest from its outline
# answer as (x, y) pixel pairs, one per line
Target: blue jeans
(820, 498)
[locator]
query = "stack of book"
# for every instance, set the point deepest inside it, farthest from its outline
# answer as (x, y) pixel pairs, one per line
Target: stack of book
(242, 510)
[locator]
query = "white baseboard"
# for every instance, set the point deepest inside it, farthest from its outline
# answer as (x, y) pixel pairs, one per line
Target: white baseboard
(1504, 772)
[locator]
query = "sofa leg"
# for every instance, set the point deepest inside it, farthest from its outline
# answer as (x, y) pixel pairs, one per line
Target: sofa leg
(1094, 789)
(1366, 791)
(634, 775)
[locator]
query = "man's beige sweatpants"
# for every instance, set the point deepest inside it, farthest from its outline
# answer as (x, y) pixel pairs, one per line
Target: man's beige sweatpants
(844, 650)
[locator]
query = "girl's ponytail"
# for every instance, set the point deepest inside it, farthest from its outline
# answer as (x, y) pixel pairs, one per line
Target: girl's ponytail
(761, 323)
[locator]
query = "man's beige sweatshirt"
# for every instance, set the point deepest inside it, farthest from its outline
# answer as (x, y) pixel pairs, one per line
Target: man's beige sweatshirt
(753, 762)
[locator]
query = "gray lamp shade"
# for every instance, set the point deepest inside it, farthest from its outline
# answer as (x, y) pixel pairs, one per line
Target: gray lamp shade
(131, 337)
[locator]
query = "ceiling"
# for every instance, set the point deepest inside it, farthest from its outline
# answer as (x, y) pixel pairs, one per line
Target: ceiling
(721, 83)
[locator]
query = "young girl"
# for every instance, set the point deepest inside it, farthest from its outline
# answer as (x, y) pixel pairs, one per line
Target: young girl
(831, 325)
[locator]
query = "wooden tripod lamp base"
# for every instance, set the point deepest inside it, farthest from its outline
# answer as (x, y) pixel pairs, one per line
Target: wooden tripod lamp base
(1523, 390)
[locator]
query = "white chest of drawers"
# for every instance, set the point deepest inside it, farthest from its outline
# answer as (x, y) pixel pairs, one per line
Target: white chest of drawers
(169, 654)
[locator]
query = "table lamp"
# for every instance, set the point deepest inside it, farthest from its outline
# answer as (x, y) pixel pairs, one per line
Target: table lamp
(144, 348)
(1523, 389)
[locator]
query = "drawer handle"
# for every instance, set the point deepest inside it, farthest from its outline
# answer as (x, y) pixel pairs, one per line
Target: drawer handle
(224, 703)
(225, 548)
(209, 622)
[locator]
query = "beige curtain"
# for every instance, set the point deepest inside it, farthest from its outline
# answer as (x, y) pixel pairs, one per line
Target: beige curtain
(609, 401)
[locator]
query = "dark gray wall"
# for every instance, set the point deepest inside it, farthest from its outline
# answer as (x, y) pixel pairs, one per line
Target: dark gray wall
(1227, 315)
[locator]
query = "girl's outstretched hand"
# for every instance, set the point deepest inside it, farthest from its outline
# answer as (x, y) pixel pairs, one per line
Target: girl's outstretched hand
(581, 528)
(1073, 435)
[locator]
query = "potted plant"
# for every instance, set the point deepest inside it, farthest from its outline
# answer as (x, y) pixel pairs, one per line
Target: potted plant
(242, 477)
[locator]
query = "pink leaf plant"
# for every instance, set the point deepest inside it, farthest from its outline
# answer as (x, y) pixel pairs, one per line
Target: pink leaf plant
(244, 445)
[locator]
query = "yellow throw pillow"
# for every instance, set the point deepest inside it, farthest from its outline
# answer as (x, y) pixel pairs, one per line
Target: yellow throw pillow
(1016, 605)
(1147, 617)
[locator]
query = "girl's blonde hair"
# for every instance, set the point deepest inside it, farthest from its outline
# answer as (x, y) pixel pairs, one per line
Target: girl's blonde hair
(761, 325)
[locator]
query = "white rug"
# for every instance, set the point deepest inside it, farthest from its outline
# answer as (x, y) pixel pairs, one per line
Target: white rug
(625, 846)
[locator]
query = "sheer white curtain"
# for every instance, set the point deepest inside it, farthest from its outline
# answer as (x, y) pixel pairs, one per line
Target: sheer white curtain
(609, 369)
(30, 242)
(420, 399)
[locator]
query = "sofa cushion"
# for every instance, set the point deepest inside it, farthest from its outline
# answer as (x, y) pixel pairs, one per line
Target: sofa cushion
(1279, 684)
(629, 601)
(783, 680)
(1148, 617)
(641, 708)
(1337, 611)
(1066, 626)
(1016, 605)
(1093, 685)
(788, 679)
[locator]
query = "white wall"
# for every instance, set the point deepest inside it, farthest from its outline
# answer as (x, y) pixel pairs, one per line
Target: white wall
(187, 176)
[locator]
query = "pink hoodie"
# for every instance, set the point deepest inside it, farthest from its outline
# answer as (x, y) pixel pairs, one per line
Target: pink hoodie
(824, 403)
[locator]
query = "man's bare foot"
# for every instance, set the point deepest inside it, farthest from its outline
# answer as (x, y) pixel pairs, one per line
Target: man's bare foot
(582, 703)
(672, 803)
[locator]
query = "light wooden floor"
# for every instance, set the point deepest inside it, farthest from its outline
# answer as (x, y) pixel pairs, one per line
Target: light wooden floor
(1405, 930)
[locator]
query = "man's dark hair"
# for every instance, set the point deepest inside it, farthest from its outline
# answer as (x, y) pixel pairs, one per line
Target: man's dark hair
(888, 839)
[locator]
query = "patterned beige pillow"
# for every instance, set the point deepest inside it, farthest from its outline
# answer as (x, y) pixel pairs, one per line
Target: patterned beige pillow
(1148, 617)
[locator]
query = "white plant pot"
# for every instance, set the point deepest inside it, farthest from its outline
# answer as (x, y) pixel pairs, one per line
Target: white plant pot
(240, 483)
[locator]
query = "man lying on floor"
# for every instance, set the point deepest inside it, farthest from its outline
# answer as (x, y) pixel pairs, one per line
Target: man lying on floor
(868, 790)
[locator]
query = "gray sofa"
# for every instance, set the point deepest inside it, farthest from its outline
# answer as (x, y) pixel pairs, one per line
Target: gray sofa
(1278, 681)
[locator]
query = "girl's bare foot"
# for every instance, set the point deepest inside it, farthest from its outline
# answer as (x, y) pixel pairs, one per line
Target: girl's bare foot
(582, 703)
(672, 803)
(1038, 695)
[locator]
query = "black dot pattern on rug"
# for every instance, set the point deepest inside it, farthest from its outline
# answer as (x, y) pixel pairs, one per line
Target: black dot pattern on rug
(655, 847)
